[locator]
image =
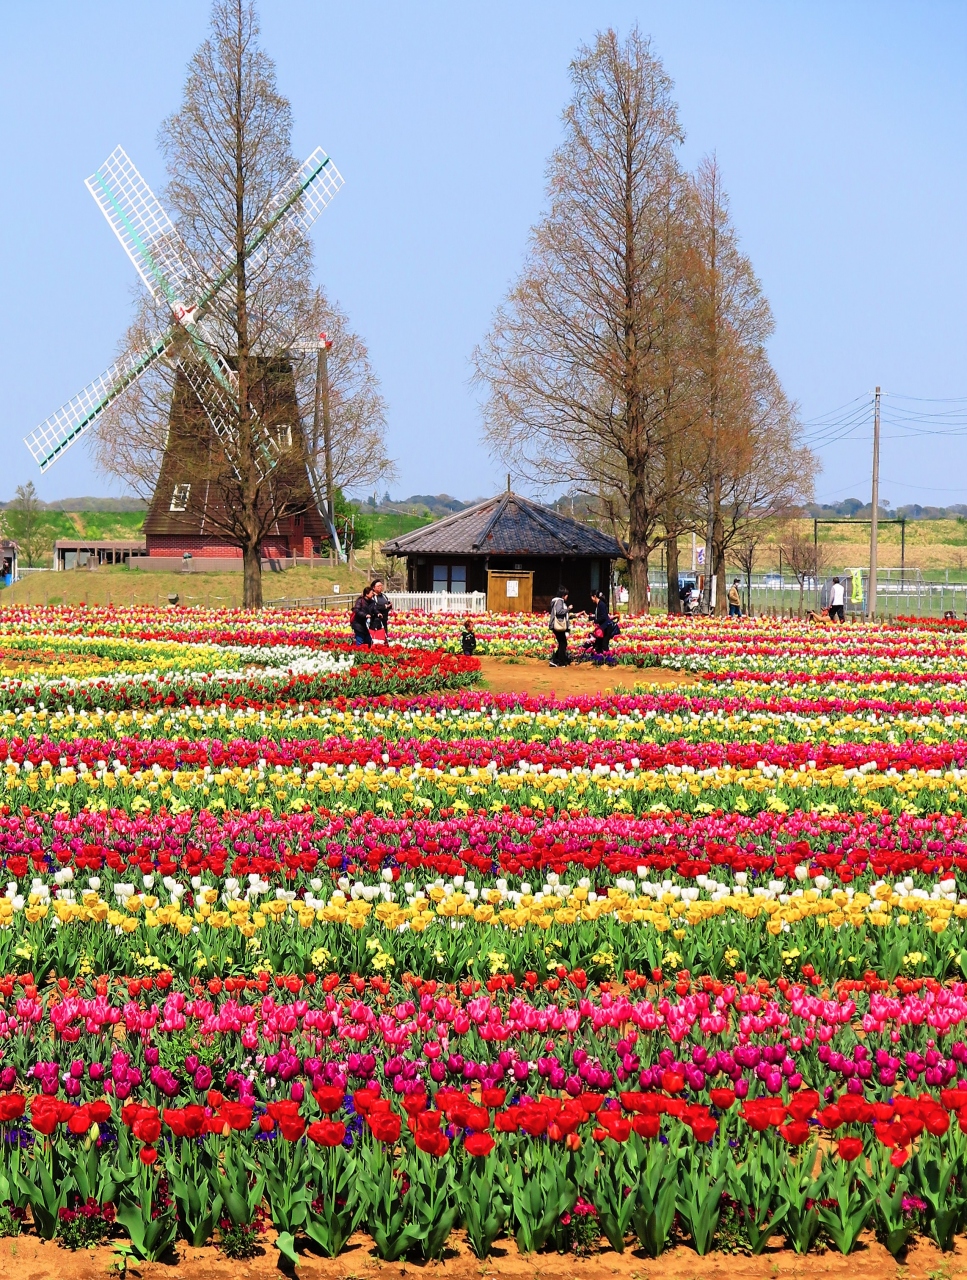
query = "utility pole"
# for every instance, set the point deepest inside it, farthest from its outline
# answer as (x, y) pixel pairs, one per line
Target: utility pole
(322, 407)
(874, 513)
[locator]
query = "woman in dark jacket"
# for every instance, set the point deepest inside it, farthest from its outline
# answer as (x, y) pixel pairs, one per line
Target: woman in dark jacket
(362, 615)
(559, 623)
(602, 623)
(381, 608)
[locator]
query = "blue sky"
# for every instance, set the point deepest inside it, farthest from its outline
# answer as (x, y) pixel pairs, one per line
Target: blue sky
(839, 128)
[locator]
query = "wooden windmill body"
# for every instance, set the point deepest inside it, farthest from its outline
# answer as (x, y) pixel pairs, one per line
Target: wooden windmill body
(187, 513)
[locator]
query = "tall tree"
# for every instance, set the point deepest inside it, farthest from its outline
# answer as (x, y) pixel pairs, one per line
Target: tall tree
(751, 467)
(24, 522)
(228, 152)
(580, 363)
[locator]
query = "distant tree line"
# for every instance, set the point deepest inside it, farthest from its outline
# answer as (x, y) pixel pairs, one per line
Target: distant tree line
(855, 508)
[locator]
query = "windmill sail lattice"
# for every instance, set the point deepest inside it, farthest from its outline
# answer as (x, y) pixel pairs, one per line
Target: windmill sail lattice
(145, 231)
(160, 257)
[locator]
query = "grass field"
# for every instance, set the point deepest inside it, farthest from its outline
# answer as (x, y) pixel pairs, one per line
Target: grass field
(393, 525)
(935, 547)
(120, 585)
(98, 525)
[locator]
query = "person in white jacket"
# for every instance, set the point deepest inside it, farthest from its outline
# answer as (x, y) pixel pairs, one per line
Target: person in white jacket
(837, 601)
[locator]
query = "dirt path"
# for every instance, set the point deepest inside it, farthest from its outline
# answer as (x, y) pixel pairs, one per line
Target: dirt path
(28, 1258)
(533, 675)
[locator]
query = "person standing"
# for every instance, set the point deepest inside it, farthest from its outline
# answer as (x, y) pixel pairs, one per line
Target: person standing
(361, 618)
(559, 623)
(837, 601)
(735, 600)
(381, 608)
(468, 638)
(602, 623)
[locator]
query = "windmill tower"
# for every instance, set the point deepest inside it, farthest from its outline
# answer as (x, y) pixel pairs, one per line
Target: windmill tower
(205, 403)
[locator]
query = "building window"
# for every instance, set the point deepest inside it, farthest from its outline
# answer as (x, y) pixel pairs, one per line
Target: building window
(284, 435)
(449, 577)
(179, 497)
(595, 574)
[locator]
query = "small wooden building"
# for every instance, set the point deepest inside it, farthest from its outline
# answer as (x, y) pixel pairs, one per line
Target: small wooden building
(514, 549)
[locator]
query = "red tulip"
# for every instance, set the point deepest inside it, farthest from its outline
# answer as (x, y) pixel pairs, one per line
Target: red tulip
(80, 1120)
(433, 1142)
(185, 1122)
(12, 1106)
(327, 1133)
(506, 1121)
(849, 1148)
(722, 1098)
(795, 1132)
(329, 1098)
(479, 1144)
(704, 1128)
(615, 1125)
(385, 1126)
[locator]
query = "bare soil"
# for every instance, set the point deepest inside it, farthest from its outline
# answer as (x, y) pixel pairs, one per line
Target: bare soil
(27, 1258)
(533, 675)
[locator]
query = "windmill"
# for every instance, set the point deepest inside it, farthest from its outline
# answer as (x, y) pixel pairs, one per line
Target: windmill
(175, 281)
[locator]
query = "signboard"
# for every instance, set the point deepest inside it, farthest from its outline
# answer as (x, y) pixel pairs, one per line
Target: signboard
(511, 588)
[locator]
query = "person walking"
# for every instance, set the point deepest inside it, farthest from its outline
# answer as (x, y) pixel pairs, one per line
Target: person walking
(559, 623)
(602, 623)
(361, 618)
(381, 608)
(735, 600)
(837, 601)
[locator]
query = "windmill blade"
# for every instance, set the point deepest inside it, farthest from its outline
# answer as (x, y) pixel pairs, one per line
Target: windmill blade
(70, 422)
(299, 202)
(145, 231)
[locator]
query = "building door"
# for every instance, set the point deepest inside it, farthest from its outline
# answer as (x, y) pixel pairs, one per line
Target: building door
(510, 590)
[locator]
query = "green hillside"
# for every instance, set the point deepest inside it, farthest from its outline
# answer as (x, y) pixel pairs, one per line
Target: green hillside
(393, 524)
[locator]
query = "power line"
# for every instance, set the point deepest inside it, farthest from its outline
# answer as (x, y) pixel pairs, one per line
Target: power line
(834, 413)
(905, 484)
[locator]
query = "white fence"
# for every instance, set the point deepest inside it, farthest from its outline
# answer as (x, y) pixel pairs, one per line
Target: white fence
(410, 601)
(439, 601)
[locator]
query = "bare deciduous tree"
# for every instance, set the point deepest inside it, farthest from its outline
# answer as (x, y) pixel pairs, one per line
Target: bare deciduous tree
(805, 558)
(744, 554)
(228, 152)
(753, 468)
(359, 456)
(581, 362)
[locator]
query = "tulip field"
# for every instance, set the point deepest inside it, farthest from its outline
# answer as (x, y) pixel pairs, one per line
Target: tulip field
(310, 945)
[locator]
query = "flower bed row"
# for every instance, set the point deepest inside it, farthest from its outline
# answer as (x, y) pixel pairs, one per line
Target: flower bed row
(665, 1173)
(322, 677)
(436, 1114)
(712, 644)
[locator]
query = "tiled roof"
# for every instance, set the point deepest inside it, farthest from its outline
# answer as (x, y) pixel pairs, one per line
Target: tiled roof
(508, 525)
